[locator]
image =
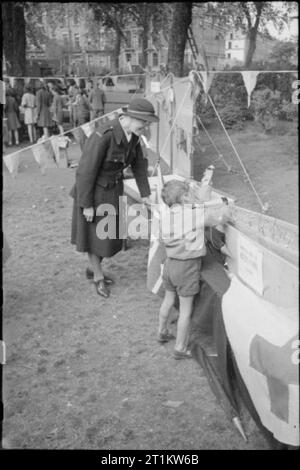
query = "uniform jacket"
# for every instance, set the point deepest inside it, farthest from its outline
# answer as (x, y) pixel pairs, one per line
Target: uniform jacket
(99, 176)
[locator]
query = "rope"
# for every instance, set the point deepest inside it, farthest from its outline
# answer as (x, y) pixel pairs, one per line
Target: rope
(263, 206)
(73, 78)
(213, 144)
(63, 133)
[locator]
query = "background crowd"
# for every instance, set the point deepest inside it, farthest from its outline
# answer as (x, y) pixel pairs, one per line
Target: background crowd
(44, 108)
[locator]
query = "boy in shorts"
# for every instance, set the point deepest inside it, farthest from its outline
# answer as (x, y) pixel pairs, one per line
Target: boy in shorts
(182, 231)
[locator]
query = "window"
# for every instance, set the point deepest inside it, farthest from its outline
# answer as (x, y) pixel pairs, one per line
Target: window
(155, 59)
(75, 18)
(231, 35)
(128, 38)
(76, 40)
(140, 41)
(228, 55)
(229, 45)
(65, 39)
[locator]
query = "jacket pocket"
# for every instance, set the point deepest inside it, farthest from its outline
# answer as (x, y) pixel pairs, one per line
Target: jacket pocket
(103, 182)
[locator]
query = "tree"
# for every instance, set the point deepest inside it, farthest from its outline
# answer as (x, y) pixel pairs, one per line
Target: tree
(252, 18)
(14, 38)
(181, 20)
(114, 16)
(285, 55)
(154, 19)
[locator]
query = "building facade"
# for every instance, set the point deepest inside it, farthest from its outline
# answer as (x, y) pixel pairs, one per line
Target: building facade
(237, 45)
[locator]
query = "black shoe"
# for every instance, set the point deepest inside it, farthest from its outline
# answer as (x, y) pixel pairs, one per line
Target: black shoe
(90, 275)
(101, 289)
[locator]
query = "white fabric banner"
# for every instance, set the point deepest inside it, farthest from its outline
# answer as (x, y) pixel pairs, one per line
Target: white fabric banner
(264, 340)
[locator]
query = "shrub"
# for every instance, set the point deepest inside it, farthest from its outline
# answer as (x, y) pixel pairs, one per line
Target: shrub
(289, 111)
(266, 107)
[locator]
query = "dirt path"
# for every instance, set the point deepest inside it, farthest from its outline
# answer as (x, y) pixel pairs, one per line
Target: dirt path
(83, 372)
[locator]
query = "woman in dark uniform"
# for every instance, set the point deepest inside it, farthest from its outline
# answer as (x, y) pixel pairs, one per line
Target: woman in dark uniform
(99, 180)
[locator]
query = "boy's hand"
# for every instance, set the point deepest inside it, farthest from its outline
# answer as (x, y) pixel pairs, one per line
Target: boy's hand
(146, 201)
(225, 215)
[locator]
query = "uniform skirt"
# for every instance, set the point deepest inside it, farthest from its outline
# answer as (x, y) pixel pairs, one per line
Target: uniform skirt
(89, 236)
(13, 121)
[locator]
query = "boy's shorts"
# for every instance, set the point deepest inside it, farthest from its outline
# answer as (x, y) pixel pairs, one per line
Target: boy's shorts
(182, 276)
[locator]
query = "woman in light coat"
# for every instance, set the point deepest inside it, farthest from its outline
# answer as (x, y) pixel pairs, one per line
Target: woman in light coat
(29, 105)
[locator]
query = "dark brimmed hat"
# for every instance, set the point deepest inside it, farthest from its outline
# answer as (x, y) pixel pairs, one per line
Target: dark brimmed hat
(142, 109)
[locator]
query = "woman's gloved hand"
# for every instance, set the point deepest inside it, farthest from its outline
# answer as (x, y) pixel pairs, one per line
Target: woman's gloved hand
(89, 213)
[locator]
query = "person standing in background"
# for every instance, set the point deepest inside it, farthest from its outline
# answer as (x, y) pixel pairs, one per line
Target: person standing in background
(43, 102)
(11, 111)
(72, 92)
(97, 100)
(29, 105)
(58, 113)
(82, 108)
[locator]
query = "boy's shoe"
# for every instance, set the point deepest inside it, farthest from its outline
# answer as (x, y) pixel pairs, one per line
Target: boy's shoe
(165, 337)
(182, 355)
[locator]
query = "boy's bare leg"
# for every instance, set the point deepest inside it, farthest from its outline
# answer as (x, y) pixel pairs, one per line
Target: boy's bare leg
(183, 325)
(165, 310)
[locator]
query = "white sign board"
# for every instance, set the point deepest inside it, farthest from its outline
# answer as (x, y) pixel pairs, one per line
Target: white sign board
(250, 261)
(155, 87)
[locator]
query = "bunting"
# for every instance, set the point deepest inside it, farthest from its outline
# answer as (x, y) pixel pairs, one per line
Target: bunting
(88, 128)
(51, 152)
(12, 164)
(250, 78)
(44, 154)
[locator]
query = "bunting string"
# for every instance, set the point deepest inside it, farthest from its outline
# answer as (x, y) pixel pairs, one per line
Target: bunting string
(46, 151)
(264, 207)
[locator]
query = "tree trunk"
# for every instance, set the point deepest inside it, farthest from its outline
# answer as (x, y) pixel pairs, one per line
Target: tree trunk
(14, 38)
(145, 45)
(117, 51)
(182, 17)
(251, 47)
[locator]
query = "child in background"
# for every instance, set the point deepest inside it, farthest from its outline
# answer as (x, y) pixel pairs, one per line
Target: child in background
(13, 123)
(182, 231)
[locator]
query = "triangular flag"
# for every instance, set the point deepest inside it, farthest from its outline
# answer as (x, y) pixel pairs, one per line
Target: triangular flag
(43, 153)
(76, 81)
(206, 80)
(39, 155)
(78, 134)
(12, 163)
(55, 146)
(250, 78)
(87, 128)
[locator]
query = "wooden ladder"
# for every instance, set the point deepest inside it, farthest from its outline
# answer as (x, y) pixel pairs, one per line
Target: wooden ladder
(195, 50)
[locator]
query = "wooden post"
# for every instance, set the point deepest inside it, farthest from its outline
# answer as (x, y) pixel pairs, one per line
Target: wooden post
(172, 122)
(157, 135)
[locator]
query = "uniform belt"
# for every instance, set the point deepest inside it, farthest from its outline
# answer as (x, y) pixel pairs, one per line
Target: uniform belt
(112, 180)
